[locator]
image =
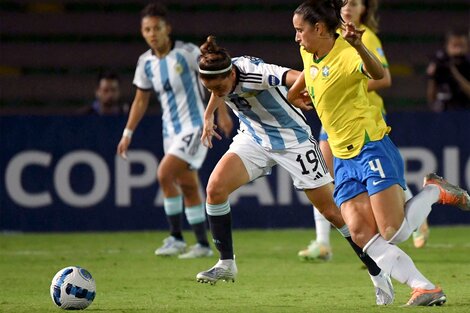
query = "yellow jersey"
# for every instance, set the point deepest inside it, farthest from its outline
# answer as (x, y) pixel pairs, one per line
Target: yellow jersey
(337, 86)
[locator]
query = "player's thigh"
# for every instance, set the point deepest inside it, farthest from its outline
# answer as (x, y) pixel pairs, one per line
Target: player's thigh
(172, 167)
(228, 175)
(322, 197)
(388, 207)
(255, 159)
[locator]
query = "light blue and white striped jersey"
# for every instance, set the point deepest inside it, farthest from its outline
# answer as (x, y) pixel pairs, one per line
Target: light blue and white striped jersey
(260, 102)
(175, 80)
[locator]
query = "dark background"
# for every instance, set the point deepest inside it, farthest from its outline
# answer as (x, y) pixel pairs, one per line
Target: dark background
(51, 51)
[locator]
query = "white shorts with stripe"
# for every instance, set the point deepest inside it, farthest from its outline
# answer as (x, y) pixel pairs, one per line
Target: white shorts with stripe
(187, 146)
(304, 162)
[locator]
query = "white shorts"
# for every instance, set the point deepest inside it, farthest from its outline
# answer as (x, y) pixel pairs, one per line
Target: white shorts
(187, 146)
(304, 162)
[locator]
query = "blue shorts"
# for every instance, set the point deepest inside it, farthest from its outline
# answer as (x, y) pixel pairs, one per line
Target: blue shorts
(378, 166)
(323, 135)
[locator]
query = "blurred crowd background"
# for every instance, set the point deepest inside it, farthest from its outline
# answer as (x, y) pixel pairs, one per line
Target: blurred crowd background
(52, 52)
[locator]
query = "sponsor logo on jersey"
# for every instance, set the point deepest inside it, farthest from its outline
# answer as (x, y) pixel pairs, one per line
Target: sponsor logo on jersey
(273, 80)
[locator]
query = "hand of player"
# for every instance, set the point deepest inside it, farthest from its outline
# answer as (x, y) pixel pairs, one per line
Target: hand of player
(352, 35)
(123, 146)
(303, 101)
(208, 131)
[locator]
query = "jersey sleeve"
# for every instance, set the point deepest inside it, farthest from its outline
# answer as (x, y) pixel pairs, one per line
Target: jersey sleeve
(353, 64)
(257, 75)
(141, 80)
(273, 75)
(193, 54)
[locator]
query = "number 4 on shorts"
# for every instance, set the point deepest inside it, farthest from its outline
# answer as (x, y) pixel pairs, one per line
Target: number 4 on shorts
(376, 166)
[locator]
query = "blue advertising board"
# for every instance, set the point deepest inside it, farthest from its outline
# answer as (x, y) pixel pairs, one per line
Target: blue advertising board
(62, 173)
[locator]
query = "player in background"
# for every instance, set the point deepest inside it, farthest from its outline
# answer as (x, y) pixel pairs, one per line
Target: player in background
(362, 13)
(272, 132)
(369, 170)
(448, 85)
(107, 96)
(170, 69)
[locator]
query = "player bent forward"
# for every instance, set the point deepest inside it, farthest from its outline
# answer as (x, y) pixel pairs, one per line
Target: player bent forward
(271, 132)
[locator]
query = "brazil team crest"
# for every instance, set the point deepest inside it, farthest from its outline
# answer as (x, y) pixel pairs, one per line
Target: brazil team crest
(325, 71)
(313, 71)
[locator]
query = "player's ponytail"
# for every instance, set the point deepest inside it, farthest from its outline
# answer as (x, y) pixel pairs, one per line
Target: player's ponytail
(214, 62)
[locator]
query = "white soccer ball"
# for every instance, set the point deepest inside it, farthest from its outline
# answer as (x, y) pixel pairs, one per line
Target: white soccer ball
(73, 288)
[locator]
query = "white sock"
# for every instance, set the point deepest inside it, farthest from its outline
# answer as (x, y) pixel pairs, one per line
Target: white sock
(417, 210)
(344, 231)
(322, 227)
(408, 193)
(393, 260)
(225, 263)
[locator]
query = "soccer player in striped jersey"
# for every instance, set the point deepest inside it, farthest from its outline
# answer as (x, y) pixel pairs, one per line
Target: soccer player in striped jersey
(272, 132)
(170, 69)
(369, 171)
(362, 13)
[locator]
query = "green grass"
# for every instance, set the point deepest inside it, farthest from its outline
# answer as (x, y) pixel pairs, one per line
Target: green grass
(271, 278)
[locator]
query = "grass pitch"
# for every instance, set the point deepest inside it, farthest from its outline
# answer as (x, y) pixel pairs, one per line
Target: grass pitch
(130, 278)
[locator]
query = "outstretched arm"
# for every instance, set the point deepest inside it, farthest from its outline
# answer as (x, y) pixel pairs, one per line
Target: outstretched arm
(208, 130)
(371, 64)
(224, 120)
(139, 106)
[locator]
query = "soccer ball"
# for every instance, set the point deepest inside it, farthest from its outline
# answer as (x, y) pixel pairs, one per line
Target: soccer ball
(73, 288)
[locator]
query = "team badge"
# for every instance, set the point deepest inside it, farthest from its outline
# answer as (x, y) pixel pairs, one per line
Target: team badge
(380, 52)
(325, 71)
(313, 71)
(273, 80)
(178, 68)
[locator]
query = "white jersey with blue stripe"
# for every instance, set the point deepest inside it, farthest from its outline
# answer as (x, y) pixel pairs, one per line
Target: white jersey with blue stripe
(175, 80)
(259, 100)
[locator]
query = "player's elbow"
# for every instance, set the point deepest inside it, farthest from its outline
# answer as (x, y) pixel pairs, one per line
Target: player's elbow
(376, 75)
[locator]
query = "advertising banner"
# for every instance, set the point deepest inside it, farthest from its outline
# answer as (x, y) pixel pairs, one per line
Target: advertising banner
(62, 173)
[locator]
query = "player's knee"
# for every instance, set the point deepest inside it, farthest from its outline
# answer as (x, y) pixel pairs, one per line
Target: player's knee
(360, 235)
(216, 192)
(164, 177)
(389, 229)
(388, 232)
